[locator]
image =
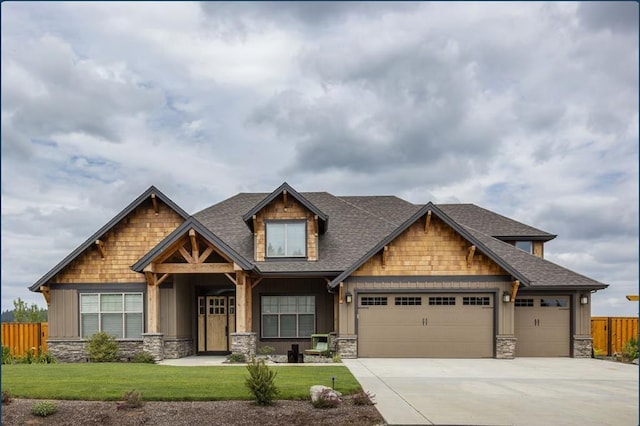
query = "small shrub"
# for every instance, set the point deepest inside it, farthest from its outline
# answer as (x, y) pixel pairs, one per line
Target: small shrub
(102, 347)
(7, 358)
(133, 399)
(237, 358)
(327, 399)
(6, 397)
(261, 382)
(363, 398)
(44, 408)
(266, 350)
(143, 358)
(630, 350)
(337, 358)
(29, 357)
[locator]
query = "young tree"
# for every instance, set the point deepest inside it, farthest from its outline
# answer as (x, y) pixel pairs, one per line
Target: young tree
(24, 313)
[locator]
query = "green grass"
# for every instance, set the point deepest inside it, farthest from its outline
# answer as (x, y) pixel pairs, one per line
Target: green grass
(109, 381)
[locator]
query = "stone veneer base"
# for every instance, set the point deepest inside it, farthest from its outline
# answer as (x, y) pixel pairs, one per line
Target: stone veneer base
(76, 350)
(153, 344)
(244, 343)
(505, 347)
(346, 346)
(582, 346)
(178, 347)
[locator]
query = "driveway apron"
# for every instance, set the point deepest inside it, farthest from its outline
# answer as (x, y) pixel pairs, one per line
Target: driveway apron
(522, 391)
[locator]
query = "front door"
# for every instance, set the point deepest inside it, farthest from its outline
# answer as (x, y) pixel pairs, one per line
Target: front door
(216, 320)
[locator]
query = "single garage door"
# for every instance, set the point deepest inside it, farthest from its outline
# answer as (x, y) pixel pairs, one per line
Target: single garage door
(425, 325)
(542, 325)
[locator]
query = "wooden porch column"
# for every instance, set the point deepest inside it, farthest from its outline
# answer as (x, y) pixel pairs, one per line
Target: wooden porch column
(153, 303)
(243, 302)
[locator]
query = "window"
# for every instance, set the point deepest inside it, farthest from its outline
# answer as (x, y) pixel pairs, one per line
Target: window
(552, 302)
(476, 301)
(408, 301)
(442, 300)
(525, 246)
(373, 301)
(286, 239)
(119, 314)
(288, 316)
(522, 303)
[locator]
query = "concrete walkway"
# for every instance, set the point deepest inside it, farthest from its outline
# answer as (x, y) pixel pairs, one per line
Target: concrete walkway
(205, 360)
(523, 391)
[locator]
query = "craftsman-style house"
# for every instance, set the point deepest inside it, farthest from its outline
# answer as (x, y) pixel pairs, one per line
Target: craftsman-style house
(386, 278)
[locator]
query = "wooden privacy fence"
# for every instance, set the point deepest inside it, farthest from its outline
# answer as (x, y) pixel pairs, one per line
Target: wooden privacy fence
(611, 333)
(22, 336)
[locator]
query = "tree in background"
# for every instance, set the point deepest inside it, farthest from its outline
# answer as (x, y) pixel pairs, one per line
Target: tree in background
(24, 313)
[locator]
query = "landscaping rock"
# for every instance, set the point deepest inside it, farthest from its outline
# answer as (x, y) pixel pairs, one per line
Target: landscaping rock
(316, 390)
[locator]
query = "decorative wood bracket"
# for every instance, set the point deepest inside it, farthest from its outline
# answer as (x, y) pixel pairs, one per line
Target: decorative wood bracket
(315, 225)
(155, 204)
(470, 254)
(427, 222)
(284, 196)
(205, 254)
(255, 224)
(341, 293)
(46, 294)
(100, 246)
(385, 253)
(514, 290)
(233, 280)
(183, 251)
(195, 251)
(256, 282)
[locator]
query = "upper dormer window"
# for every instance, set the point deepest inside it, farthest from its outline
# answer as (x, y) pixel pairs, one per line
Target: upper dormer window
(286, 238)
(525, 246)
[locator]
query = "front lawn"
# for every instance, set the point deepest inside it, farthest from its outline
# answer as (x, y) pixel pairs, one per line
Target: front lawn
(109, 381)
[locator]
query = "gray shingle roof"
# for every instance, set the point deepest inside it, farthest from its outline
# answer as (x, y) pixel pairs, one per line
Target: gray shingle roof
(493, 224)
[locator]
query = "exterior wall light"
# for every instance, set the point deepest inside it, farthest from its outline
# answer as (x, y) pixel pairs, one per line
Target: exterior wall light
(584, 299)
(506, 297)
(349, 297)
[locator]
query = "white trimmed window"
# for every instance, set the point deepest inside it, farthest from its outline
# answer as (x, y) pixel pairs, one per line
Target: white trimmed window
(288, 316)
(286, 239)
(118, 314)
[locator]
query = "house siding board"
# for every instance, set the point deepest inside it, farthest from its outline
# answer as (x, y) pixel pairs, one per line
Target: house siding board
(168, 311)
(440, 251)
(124, 244)
(63, 316)
(185, 309)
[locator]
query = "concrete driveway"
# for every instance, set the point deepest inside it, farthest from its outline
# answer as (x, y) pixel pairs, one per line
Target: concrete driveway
(523, 391)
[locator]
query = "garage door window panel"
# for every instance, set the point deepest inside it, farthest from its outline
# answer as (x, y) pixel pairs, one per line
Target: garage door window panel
(439, 301)
(476, 301)
(373, 301)
(554, 303)
(408, 301)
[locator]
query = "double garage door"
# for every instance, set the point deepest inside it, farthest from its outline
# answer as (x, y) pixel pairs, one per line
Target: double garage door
(426, 325)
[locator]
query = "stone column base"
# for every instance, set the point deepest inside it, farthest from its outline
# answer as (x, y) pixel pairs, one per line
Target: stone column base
(505, 347)
(244, 343)
(153, 344)
(68, 350)
(346, 346)
(582, 346)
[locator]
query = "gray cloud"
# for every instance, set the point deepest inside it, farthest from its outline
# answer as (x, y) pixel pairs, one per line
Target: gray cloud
(612, 15)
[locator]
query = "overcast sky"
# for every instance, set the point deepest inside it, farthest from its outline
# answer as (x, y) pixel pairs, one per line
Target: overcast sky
(527, 109)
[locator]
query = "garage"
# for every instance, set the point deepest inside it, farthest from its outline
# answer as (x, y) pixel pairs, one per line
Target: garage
(542, 325)
(457, 325)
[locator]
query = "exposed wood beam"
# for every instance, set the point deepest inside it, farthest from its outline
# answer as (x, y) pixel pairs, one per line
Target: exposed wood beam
(190, 268)
(236, 267)
(233, 280)
(255, 224)
(284, 196)
(100, 246)
(470, 254)
(427, 222)
(46, 294)
(341, 293)
(256, 282)
(171, 250)
(385, 253)
(315, 225)
(161, 279)
(205, 254)
(195, 251)
(241, 304)
(183, 251)
(155, 203)
(514, 290)
(153, 303)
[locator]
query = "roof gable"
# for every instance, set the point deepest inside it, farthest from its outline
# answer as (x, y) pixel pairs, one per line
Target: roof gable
(416, 216)
(179, 232)
(152, 192)
(285, 188)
